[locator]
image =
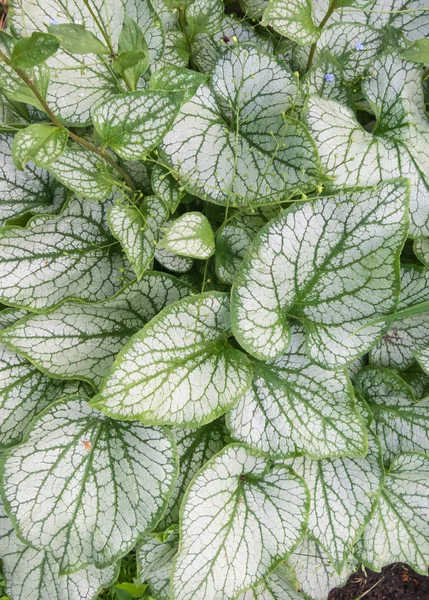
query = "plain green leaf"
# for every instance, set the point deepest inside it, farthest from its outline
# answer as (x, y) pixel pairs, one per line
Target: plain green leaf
(184, 372)
(417, 52)
(81, 517)
(41, 144)
(74, 38)
(133, 59)
(34, 50)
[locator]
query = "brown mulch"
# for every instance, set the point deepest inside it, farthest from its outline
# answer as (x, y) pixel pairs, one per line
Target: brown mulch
(395, 582)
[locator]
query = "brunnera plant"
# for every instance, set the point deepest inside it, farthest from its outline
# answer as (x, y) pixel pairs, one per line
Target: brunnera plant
(214, 279)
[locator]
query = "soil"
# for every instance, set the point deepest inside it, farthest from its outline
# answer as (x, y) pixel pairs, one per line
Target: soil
(395, 582)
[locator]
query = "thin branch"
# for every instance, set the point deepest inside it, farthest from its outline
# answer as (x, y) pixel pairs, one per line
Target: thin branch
(331, 9)
(81, 141)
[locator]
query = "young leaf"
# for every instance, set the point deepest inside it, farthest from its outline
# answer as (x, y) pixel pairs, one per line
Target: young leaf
(34, 50)
(253, 515)
(74, 38)
(314, 570)
(41, 144)
(334, 291)
(83, 172)
(190, 235)
(80, 341)
(204, 16)
(138, 230)
(179, 369)
(232, 144)
(80, 517)
(343, 493)
(22, 192)
(70, 256)
(155, 561)
(134, 123)
(401, 423)
(177, 79)
(399, 528)
(292, 19)
(294, 406)
(165, 187)
(417, 52)
(353, 156)
(406, 335)
(31, 573)
(133, 59)
(195, 448)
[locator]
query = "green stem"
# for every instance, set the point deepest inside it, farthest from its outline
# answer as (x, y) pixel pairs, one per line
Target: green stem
(100, 26)
(331, 9)
(81, 141)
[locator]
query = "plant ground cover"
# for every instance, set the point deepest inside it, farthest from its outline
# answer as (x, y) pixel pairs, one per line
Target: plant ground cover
(214, 324)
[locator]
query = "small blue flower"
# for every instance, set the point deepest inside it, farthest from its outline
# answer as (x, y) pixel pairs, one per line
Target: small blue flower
(360, 46)
(53, 22)
(329, 77)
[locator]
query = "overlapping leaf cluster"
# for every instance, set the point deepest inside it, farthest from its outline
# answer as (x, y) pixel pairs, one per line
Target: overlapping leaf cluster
(214, 269)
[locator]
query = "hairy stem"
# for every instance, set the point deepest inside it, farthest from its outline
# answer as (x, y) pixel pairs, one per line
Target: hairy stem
(54, 119)
(331, 9)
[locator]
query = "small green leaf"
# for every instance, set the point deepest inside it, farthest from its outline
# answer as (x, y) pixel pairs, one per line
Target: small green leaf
(34, 50)
(133, 59)
(128, 60)
(41, 144)
(184, 372)
(190, 235)
(133, 124)
(418, 52)
(77, 40)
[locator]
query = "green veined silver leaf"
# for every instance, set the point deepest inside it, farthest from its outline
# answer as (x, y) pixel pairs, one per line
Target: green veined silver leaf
(83, 172)
(155, 562)
(232, 144)
(422, 357)
(294, 406)
(59, 258)
(208, 48)
(150, 21)
(401, 423)
(166, 187)
(195, 448)
(21, 192)
(204, 16)
(80, 341)
(410, 18)
(41, 144)
(353, 156)
(417, 381)
(134, 123)
(333, 265)
(343, 493)
(354, 45)
(293, 19)
(190, 235)
(235, 238)
(31, 573)
(176, 51)
(253, 515)
(279, 585)
(405, 336)
(315, 572)
(173, 262)
(399, 528)
(179, 369)
(67, 490)
(138, 230)
(316, 81)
